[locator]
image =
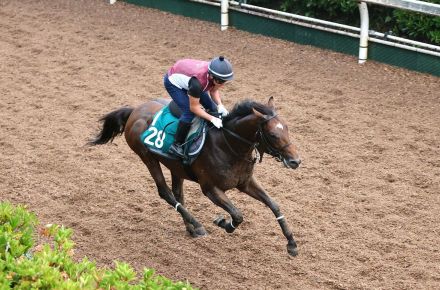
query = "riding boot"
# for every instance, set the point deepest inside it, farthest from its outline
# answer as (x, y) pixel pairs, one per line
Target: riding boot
(182, 130)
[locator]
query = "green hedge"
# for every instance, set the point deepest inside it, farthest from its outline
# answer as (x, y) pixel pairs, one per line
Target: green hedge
(408, 24)
(49, 265)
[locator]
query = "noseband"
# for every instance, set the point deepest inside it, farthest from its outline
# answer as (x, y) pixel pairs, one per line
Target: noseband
(261, 138)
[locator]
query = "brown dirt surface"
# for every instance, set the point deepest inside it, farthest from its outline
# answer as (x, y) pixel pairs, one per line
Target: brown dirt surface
(364, 206)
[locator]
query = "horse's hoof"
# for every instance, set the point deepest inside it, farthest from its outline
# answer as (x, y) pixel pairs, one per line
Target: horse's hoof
(292, 250)
(219, 220)
(200, 232)
(196, 232)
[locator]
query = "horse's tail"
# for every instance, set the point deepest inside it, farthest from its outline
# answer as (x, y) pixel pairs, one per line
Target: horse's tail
(113, 125)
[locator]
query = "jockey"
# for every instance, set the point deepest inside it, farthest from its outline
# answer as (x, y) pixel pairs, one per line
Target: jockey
(191, 84)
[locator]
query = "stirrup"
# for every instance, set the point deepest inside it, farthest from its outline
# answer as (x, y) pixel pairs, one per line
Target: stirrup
(177, 150)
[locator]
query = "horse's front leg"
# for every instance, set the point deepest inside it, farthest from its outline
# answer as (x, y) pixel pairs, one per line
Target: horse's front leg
(219, 198)
(177, 187)
(256, 191)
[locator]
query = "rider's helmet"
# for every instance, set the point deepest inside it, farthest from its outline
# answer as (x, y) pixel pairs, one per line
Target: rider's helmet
(220, 68)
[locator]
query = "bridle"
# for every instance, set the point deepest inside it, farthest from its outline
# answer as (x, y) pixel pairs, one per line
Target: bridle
(261, 138)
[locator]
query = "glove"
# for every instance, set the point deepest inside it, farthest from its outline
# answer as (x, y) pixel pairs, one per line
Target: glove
(217, 122)
(222, 110)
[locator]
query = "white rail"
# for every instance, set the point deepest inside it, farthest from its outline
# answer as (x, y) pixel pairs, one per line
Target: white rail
(363, 33)
(288, 15)
(412, 5)
(209, 2)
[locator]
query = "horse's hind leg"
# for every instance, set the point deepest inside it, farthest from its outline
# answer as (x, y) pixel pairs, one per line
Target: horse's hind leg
(219, 198)
(165, 193)
(177, 186)
(256, 191)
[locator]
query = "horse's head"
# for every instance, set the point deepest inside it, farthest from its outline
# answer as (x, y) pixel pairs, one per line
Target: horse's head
(273, 135)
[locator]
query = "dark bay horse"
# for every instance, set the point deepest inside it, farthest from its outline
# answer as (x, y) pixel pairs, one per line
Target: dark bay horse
(225, 162)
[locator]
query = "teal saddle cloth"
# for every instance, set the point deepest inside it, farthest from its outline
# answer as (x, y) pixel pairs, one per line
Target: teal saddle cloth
(159, 136)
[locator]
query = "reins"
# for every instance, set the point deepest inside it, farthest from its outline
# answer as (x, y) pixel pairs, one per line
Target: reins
(253, 145)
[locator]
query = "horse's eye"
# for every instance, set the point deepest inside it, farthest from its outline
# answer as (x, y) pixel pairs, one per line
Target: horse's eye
(273, 136)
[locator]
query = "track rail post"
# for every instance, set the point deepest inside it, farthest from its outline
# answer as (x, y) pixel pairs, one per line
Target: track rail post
(365, 23)
(224, 7)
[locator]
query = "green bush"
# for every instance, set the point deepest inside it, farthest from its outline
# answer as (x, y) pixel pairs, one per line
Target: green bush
(50, 265)
(400, 22)
(418, 26)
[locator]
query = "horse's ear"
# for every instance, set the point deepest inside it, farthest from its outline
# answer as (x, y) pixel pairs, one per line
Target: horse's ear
(259, 114)
(271, 103)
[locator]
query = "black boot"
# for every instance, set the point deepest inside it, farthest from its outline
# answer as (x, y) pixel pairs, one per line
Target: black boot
(182, 130)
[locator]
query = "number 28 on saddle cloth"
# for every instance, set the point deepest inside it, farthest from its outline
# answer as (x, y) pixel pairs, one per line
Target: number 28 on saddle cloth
(159, 136)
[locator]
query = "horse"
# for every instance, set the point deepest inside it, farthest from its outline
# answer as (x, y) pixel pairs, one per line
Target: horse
(225, 162)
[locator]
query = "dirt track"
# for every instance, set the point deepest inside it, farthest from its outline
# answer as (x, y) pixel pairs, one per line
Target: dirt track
(364, 206)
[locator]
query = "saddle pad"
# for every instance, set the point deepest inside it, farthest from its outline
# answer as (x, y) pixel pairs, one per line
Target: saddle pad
(160, 134)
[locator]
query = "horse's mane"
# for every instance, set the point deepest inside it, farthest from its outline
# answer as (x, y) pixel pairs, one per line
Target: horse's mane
(244, 109)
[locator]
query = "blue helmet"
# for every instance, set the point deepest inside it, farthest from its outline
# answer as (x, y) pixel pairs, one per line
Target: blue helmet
(221, 68)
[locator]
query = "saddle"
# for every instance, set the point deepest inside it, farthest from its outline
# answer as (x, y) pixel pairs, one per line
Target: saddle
(159, 136)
